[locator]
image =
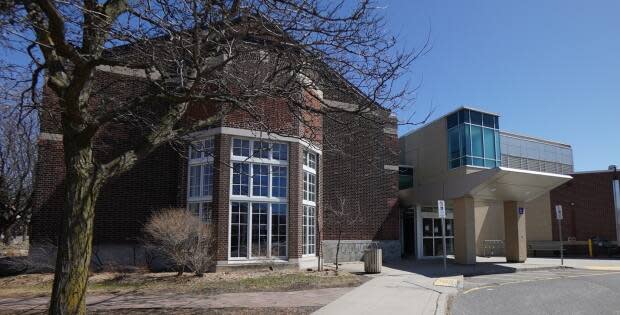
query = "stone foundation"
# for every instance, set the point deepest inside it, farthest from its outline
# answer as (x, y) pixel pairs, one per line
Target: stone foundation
(353, 250)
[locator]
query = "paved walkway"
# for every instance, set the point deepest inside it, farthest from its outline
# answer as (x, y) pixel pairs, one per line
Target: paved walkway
(312, 298)
(397, 290)
(408, 286)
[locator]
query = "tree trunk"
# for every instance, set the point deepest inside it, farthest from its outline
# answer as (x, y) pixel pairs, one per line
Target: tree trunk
(82, 186)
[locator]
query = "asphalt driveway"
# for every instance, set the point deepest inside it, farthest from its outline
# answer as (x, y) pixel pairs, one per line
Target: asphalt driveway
(567, 291)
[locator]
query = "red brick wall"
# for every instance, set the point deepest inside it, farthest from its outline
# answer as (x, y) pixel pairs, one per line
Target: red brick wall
(356, 152)
(588, 207)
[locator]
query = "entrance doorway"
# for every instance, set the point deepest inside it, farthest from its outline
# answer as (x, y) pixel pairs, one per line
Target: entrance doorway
(409, 233)
(429, 233)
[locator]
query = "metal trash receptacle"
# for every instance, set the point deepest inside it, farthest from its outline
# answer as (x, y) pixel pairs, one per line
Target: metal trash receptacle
(373, 260)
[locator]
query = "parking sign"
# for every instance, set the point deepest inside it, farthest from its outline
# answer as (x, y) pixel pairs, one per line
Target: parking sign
(558, 212)
(441, 205)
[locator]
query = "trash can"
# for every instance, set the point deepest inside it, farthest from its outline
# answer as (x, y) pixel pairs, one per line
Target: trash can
(373, 260)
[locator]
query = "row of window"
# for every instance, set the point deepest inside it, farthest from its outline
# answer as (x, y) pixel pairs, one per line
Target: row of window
(258, 229)
(260, 149)
(473, 117)
(470, 144)
(259, 180)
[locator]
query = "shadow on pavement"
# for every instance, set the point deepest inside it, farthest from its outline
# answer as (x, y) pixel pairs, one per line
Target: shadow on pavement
(433, 268)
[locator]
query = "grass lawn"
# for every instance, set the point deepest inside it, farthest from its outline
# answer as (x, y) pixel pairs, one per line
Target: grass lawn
(212, 283)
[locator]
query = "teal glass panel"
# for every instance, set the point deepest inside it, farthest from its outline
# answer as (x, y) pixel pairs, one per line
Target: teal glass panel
(489, 143)
(467, 140)
(498, 155)
(476, 141)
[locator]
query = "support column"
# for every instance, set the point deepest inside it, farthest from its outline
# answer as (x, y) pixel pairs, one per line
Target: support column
(464, 231)
(514, 228)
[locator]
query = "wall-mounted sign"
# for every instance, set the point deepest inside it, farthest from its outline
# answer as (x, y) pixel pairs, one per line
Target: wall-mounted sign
(521, 210)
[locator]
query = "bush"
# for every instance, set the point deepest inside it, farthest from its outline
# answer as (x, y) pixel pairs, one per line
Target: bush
(182, 239)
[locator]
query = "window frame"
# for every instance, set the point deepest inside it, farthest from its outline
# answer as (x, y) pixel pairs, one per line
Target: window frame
(250, 199)
(204, 159)
(309, 168)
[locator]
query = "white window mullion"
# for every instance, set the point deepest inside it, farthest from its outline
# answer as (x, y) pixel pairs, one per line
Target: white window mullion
(269, 237)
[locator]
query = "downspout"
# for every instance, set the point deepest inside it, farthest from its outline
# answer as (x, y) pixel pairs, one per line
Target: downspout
(616, 192)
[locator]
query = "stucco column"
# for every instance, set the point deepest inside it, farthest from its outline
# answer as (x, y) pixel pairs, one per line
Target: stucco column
(464, 231)
(514, 227)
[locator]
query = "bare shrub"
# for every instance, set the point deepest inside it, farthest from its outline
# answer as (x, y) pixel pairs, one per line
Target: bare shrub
(182, 239)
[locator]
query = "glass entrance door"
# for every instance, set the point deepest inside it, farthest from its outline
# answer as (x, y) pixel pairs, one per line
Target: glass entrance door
(431, 236)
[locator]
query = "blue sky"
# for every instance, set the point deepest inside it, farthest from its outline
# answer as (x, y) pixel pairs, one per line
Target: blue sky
(551, 69)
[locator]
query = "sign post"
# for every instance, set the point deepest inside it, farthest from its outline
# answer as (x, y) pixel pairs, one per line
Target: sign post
(559, 217)
(441, 206)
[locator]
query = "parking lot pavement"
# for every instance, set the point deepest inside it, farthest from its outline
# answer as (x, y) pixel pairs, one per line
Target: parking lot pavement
(472, 284)
(553, 292)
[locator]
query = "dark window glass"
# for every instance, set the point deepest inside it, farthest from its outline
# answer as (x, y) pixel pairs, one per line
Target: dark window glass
(453, 120)
(427, 227)
(467, 140)
(476, 117)
(455, 163)
(488, 120)
(453, 143)
(496, 122)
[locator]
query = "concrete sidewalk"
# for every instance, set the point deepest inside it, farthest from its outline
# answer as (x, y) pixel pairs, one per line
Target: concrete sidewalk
(394, 291)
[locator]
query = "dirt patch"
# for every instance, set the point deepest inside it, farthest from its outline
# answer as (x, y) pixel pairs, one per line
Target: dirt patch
(30, 285)
(219, 311)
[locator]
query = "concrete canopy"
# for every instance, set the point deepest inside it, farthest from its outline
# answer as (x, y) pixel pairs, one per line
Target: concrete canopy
(500, 183)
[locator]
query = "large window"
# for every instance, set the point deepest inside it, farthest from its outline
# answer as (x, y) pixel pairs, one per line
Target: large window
(473, 139)
(309, 202)
(309, 232)
(259, 191)
(200, 179)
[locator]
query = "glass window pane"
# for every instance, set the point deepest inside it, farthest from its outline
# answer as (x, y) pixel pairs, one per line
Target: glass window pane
(427, 227)
(241, 175)
(195, 150)
(241, 147)
(279, 182)
(207, 180)
(476, 141)
(194, 180)
(260, 180)
(280, 151)
(261, 150)
(453, 120)
(454, 140)
(476, 118)
(498, 155)
(427, 247)
(489, 143)
(488, 120)
(239, 230)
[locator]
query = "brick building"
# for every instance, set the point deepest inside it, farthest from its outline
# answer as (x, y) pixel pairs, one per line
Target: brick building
(264, 184)
(589, 209)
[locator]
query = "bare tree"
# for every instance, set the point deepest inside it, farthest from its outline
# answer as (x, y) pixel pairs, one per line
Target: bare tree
(343, 216)
(18, 135)
(187, 64)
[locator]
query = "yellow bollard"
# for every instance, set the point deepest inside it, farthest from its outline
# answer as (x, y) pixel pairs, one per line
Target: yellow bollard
(590, 247)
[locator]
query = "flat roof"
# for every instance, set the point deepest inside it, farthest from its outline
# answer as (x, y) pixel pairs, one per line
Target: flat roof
(508, 133)
(545, 141)
(446, 115)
